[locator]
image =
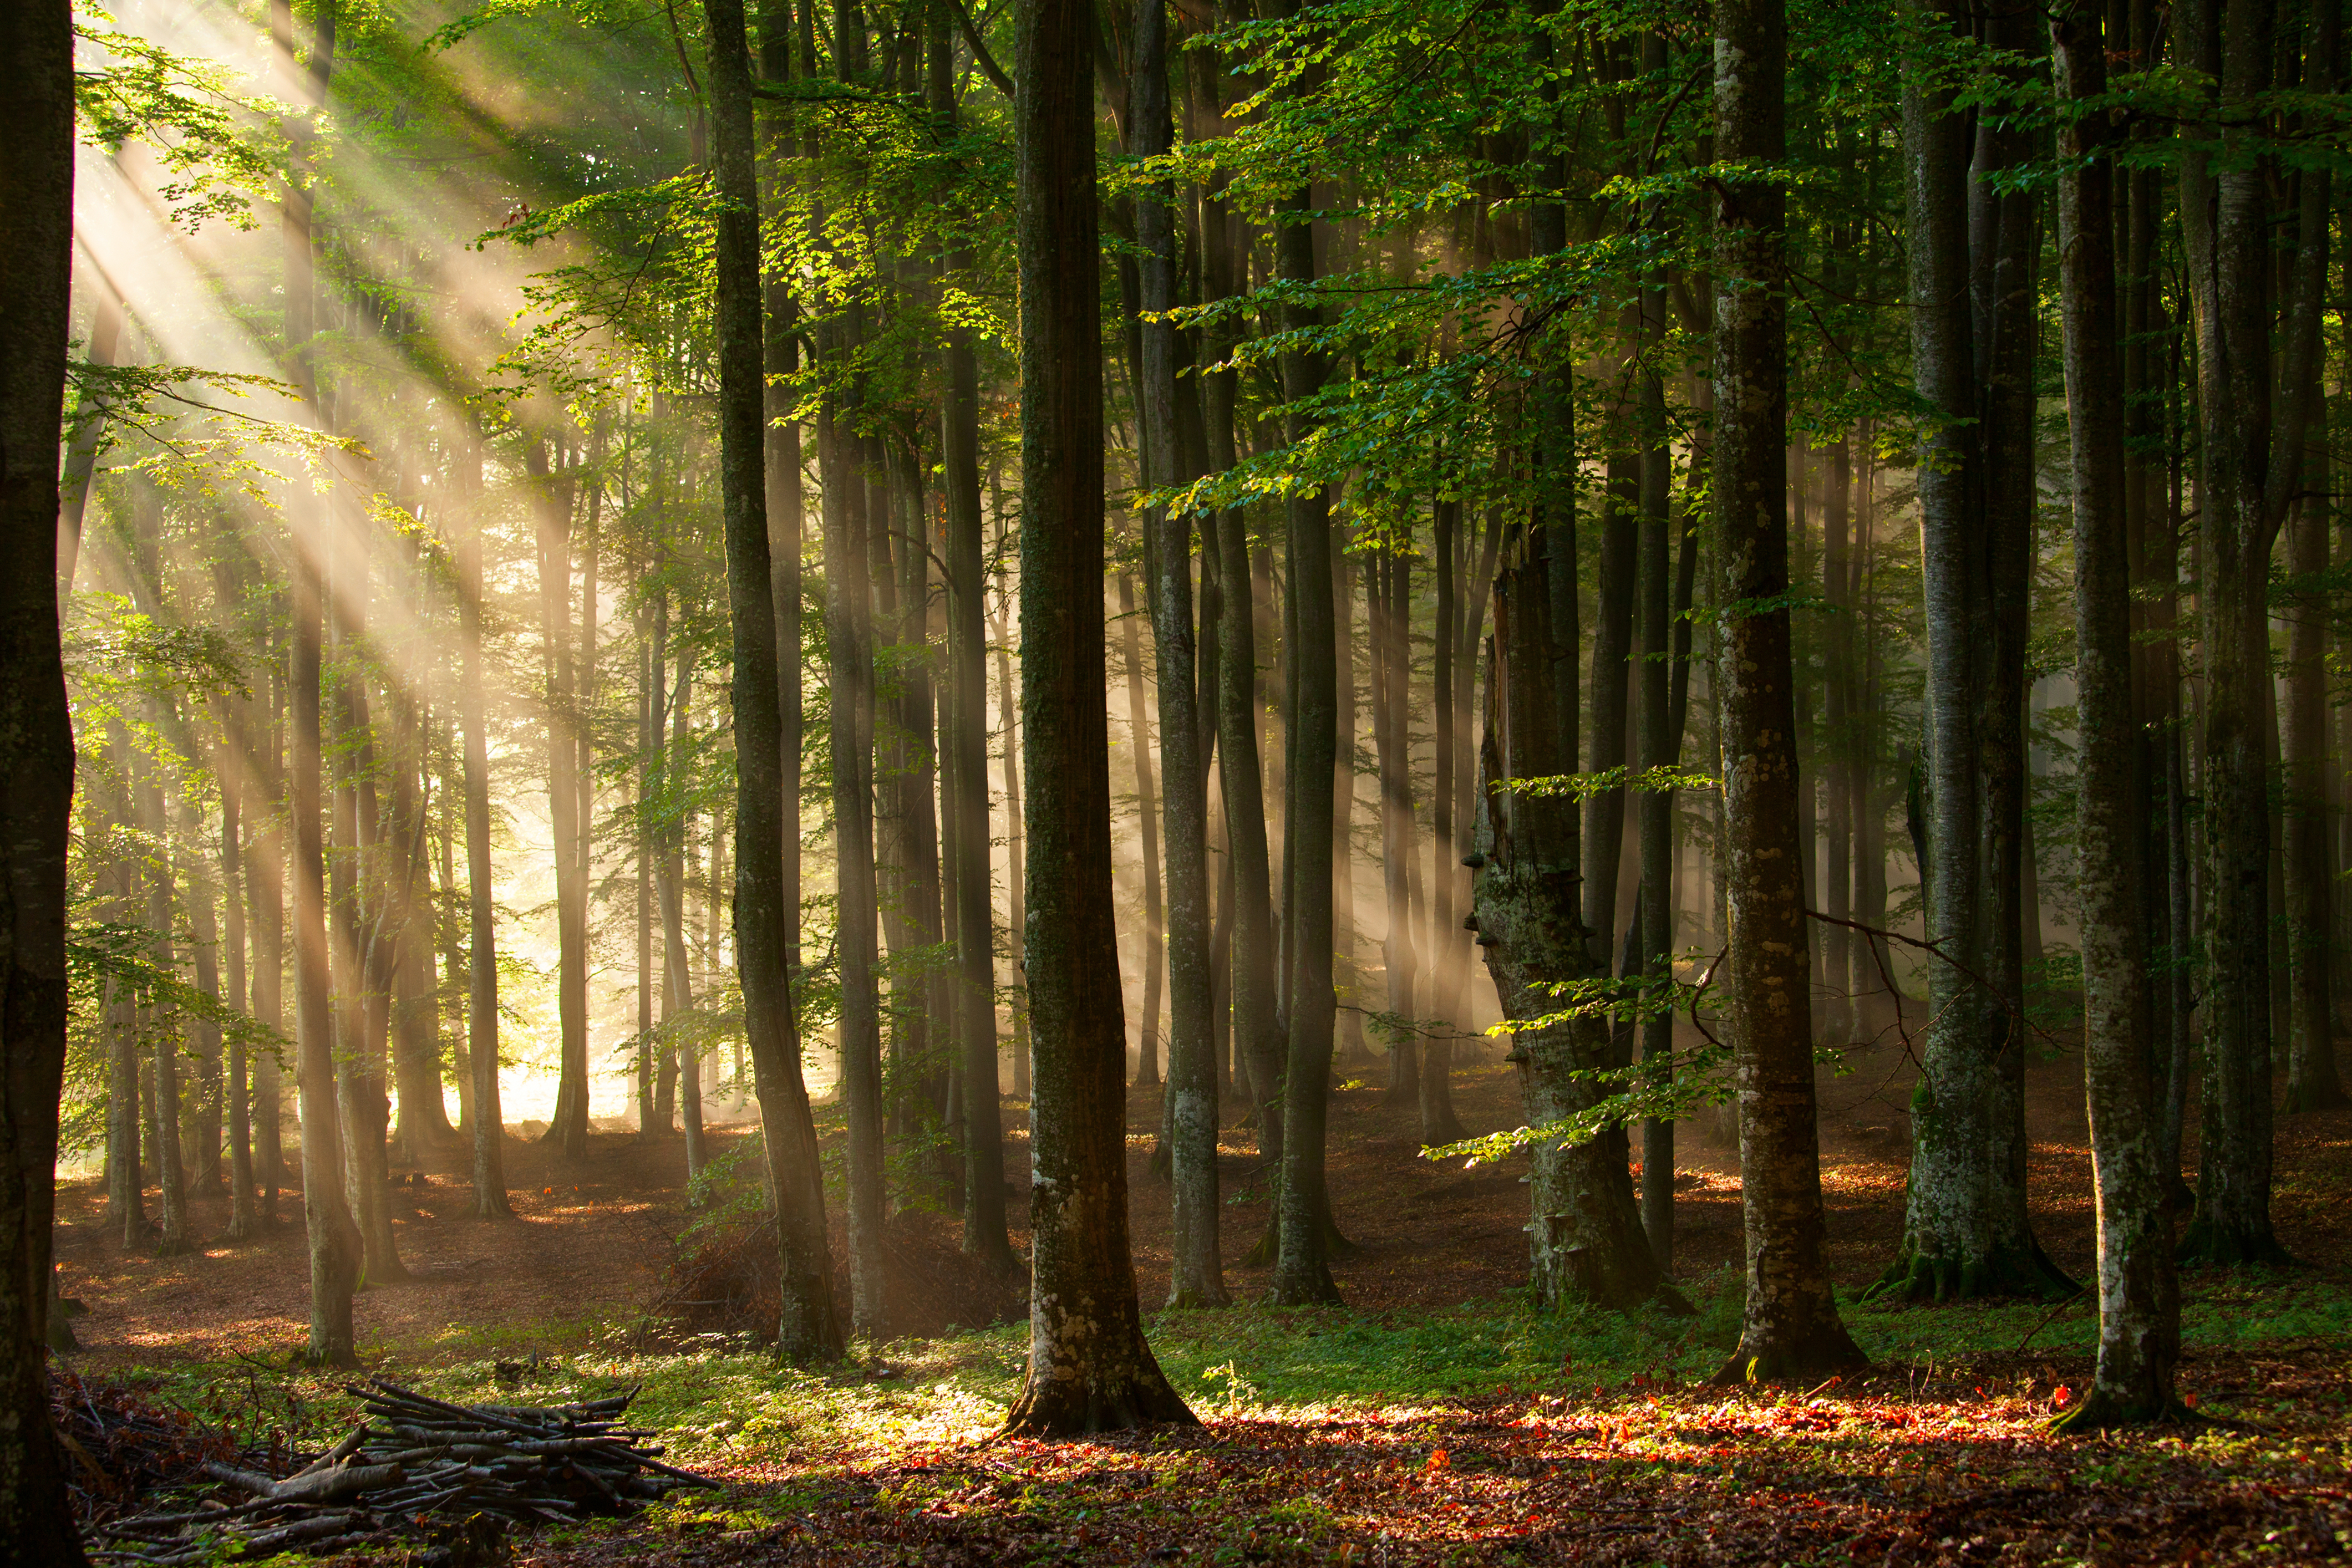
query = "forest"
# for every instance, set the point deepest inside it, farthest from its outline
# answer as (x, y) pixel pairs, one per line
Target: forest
(1360, 781)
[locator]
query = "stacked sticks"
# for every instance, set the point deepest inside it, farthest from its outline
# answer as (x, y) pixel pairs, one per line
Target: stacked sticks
(414, 1460)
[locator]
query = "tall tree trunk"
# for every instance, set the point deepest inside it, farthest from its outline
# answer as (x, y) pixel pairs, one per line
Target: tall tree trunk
(334, 1240)
(1090, 1368)
(2312, 1082)
(984, 1234)
(237, 779)
(1016, 921)
(649, 678)
(851, 695)
(36, 754)
(1654, 742)
(1197, 1277)
(1837, 982)
(1586, 1243)
(266, 879)
(204, 1161)
(807, 1329)
(567, 1126)
(481, 913)
(2140, 1297)
(1966, 1230)
(1382, 594)
(2250, 447)
(1790, 1331)
(1146, 817)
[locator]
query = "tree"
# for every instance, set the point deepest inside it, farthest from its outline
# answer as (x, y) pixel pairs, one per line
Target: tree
(2254, 405)
(1973, 255)
(481, 913)
(2139, 1297)
(37, 753)
(1090, 1368)
(1791, 1331)
(1302, 1273)
(1198, 1280)
(1586, 1242)
(764, 921)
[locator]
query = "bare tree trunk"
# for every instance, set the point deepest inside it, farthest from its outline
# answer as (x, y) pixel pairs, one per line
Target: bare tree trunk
(1016, 923)
(1197, 1278)
(567, 1127)
(1147, 816)
(2252, 450)
(481, 911)
(1586, 1242)
(1791, 1331)
(966, 757)
(1967, 1229)
(235, 779)
(1302, 1272)
(851, 695)
(2312, 1082)
(1090, 1368)
(807, 1329)
(36, 754)
(334, 1241)
(2140, 1297)
(1654, 742)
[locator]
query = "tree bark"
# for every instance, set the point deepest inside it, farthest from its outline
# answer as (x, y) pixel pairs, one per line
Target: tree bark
(2251, 446)
(1147, 820)
(36, 754)
(1586, 1243)
(2139, 1297)
(481, 911)
(851, 699)
(1790, 1332)
(2312, 1081)
(1090, 1368)
(1966, 1229)
(985, 1233)
(567, 1126)
(334, 1240)
(1197, 1278)
(807, 1329)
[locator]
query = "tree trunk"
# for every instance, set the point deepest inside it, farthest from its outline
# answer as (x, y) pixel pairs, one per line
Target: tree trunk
(1966, 1230)
(1586, 1243)
(1090, 1368)
(807, 1329)
(1654, 742)
(567, 1127)
(851, 697)
(236, 779)
(1197, 1277)
(2251, 449)
(334, 1240)
(1790, 1331)
(1016, 923)
(1147, 818)
(2140, 1297)
(481, 913)
(1302, 1274)
(984, 1234)
(2312, 1084)
(36, 754)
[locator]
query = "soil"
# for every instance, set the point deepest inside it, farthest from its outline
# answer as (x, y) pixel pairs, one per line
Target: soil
(591, 1242)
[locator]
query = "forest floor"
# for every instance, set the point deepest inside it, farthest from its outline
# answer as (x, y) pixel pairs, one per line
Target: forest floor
(1432, 1419)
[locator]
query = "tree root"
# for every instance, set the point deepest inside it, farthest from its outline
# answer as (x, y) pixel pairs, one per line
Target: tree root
(2206, 1243)
(1915, 1277)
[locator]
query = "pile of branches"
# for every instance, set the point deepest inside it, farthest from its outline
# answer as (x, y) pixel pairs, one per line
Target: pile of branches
(119, 1446)
(416, 1463)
